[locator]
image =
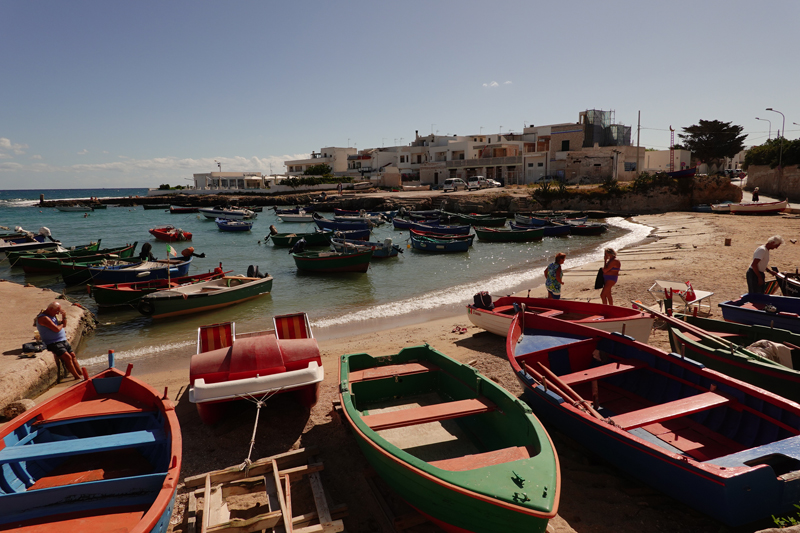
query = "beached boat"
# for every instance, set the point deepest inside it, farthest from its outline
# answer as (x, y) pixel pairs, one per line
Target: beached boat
(214, 213)
(433, 245)
(442, 228)
(403, 223)
(789, 283)
(723, 208)
(153, 207)
(724, 348)
(74, 208)
(333, 261)
(441, 236)
(230, 366)
(759, 208)
(497, 319)
(475, 219)
(128, 273)
(59, 251)
(324, 223)
(780, 312)
(234, 225)
(183, 209)
(380, 250)
(120, 294)
(41, 265)
(203, 296)
(103, 456)
(684, 173)
(456, 446)
(300, 216)
(170, 234)
(528, 220)
(509, 235)
(592, 228)
(550, 230)
(724, 447)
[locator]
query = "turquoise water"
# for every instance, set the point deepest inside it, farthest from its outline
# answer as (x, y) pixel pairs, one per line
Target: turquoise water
(409, 289)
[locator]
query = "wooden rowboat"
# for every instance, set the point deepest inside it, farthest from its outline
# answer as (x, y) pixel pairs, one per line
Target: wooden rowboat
(119, 294)
(759, 208)
(509, 235)
(102, 456)
(774, 311)
(722, 446)
(606, 317)
(59, 252)
(456, 446)
(329, 262)
(434, 245)
(37, 265)
(170, 234)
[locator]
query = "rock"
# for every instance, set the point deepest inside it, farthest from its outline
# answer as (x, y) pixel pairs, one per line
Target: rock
(18, 407)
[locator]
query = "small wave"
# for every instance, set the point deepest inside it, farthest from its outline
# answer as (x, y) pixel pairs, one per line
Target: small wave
(496, 285)
(136, 353)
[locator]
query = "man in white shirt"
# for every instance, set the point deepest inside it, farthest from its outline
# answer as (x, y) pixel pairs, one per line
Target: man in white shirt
(755, 274)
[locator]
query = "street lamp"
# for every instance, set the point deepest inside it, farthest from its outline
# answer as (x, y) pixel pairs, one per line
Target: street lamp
(770, 126)
(219, 165)
(783, 134)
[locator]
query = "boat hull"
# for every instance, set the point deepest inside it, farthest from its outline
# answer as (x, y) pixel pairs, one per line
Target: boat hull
(511, 235)
(41, 265)
(115, 295)
(170, 234)
(759, 208)
(173, 302)
(130, 274)
(749, 309)
(333, 262)
(314, 238)
(439, 246)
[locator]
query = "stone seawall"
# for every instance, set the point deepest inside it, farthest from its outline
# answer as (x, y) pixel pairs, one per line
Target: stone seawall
(774, 183)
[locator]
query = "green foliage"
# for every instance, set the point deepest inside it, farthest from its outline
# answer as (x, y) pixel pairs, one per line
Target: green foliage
(318, 170)
(166, 187)
(712, 140)
(313, 180)
(610, 184)
(787, 521)
(769, 153)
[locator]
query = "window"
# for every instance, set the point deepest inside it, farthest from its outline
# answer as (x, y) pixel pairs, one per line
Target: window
(565, 146)
(541, 164)
(630, 166)
(530, 165)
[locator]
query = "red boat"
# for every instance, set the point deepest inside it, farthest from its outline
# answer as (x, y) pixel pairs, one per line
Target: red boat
(254, 365)
(440, 236)
(170, 234)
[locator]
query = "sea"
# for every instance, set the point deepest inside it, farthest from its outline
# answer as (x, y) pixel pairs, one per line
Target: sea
(413, 288)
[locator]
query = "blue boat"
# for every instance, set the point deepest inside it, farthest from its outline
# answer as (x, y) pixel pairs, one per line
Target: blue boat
(324, 223)
(440, 228)
(103, 456)
(380, 250)
(782, 312)
(234, 225)
(144, 271)
(725, 447)
(440, 246)
(407, 223)
(550, 230)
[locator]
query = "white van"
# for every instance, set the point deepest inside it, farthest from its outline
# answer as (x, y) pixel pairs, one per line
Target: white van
(477, 182)
(453, 184)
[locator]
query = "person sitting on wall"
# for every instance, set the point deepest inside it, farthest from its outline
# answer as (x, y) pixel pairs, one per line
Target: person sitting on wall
(51, 325)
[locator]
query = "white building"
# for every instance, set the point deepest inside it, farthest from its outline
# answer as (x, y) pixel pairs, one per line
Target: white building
(336, 158)
(229, 181)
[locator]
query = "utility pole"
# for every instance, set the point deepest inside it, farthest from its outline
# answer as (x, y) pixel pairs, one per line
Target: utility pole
(638, 149)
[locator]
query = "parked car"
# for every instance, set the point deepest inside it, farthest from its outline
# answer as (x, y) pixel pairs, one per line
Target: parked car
(453, 184)
(494, 183)
(477, 182)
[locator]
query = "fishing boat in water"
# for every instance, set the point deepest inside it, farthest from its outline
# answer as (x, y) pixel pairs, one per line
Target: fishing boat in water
(333, 262)
(509, 235)
(170, 234)
(380, 250)
(439, 246)
(103, 456)
(43, 265)
(442, 228)
(300, 216)
(120, 294)
(59, 251)
(553, 229)
(455, 445)
(402, 223)
(724, 447)
(230, 366)
(183, 209)
(476, 219)
(442, 236)
(214, 213)
(327, 224)
(234, 225)
(130, 272)
(495, 316)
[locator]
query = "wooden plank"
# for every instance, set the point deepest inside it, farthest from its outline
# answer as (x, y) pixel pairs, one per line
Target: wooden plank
(428, 413)
(390, 370)
(219, 508)
(319, 500)
(60, 448)
(251, 525)
(276, 476)
(299, 471)
(602, 371)
(288, 511)
(302, 520)
(670, 410)
(206, 504)
(191, 514)
(480, 460)
(259, 467)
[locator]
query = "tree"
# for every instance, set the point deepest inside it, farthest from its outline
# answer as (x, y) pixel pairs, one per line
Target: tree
(712, 140)
(318, 170)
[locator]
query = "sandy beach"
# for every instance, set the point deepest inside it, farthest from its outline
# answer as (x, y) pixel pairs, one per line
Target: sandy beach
(594, 496)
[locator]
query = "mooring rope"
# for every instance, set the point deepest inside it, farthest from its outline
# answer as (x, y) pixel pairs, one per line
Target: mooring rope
(259, 404)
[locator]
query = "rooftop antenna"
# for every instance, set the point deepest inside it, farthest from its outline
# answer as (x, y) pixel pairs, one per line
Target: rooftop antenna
(219, 165)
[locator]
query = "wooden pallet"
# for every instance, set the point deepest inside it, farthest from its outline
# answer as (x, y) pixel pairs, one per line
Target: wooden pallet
(273, 477)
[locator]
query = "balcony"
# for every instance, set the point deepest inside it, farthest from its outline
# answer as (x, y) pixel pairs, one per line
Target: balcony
(485, 162)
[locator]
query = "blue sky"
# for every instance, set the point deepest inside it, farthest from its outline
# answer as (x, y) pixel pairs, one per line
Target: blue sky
(135, 94)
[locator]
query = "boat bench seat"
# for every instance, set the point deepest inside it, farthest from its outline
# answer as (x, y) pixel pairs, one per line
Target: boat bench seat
(104, 494)
(61, 448)
(603, 371)
(551, 313)
(591, 318)
(390, 371)
(480, 460)
(428, 413)
(670, 410)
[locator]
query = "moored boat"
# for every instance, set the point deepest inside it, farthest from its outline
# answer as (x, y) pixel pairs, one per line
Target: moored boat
(380, 250)
(203, 296)
(230, 366)
(183, 209)
(75, 271)
(442, 228)
(722, 446)
(402, 223)
(74, 208)
(39, 265)
(759, 208)
(330, 262)
(324, 223)
(550, 230)
(476, 219)
(153, 207)
(103, 456)
(497, 317)
(234, 225)
(509, 235)
(313, 238)
(441, 236)
(130, 272)
(300, 216)
(59, 251)
(214, 213)
(170, 234)
(780, 312)
(456, 446)
(119, 294)
(592, 228)
(434, 245)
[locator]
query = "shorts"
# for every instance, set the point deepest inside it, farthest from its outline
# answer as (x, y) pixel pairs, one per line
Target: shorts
(553, 295)
(59, 348)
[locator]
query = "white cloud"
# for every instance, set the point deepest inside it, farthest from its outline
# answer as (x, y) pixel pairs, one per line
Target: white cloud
(492, 84)
(7, 146)
(506, 83)
(36, 156)
(83, 152)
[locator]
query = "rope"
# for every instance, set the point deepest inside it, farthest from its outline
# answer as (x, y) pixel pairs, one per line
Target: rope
(259, 404)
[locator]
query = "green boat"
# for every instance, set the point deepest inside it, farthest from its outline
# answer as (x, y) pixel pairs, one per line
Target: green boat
(90, 248)
(722, 346)
(509, 235)
(121, 294)
(41, 265)
(333, 261)
(76, 272)
(314, 238)
(456, 446)
(476, 219)
(203, 296)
